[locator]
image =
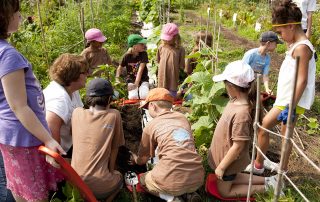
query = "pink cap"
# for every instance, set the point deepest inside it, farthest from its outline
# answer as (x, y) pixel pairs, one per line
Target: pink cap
(95, 34)
(238, 73)
(169, 30)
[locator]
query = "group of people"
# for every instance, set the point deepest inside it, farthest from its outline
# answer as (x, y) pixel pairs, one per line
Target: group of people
(31, 117)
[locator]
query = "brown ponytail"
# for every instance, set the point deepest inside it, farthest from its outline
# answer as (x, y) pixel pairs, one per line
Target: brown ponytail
(286, 11)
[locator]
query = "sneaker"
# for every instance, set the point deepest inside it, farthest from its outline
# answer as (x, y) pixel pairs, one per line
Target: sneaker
(192, 197)
(256, 171)
(269, 165)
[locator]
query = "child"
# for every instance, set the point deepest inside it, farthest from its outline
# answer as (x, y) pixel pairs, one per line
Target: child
(200, 36)
(170, 57)
(95, 54)
(134, 62)
(229, 151)
(259, 58)
(179, 170)
(23, 126)
(97, 134)
(286, 20)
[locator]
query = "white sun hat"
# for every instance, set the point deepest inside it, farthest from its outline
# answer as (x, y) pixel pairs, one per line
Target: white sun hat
(238, 73)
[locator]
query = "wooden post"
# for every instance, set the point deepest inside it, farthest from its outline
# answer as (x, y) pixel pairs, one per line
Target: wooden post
(92, 13)
(287, 145)
(43, 35)
(255, 136)
(168, 12)
(82, 26)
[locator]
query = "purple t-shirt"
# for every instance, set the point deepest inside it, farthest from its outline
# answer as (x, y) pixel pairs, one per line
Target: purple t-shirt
(12, 132)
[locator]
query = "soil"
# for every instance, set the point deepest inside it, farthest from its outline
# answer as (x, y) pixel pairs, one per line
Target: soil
(299, 169)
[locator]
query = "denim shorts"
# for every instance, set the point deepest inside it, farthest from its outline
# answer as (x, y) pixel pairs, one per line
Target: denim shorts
(5, 194)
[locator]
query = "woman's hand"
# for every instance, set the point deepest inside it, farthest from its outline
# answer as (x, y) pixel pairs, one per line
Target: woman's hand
(219, 172)
(54, 146)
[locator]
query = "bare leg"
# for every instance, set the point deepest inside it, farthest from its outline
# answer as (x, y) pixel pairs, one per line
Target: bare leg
(243, 178)
(287, 155)
(240, 189)
(269, 121)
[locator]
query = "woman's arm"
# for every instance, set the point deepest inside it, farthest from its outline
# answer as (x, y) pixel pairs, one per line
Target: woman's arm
(231, 156)
(15, 92)
(54, 123)
(305, 55)
(139, 74)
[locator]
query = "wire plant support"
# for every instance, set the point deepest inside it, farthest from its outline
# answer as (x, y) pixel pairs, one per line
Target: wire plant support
(287, 143)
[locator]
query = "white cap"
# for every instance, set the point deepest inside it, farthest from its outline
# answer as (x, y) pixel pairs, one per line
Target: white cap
(238, 73)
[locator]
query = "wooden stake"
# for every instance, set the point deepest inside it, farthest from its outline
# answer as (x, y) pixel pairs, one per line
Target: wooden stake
(287, 145)
(43, 35)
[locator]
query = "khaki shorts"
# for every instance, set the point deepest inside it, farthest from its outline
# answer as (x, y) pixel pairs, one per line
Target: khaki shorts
(147, 181)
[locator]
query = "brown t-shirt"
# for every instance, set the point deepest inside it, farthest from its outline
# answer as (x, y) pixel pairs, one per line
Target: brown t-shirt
(94, 136)
(170, 61)
(235, 124)
(96, 57)
(132, 64)
(179, 166)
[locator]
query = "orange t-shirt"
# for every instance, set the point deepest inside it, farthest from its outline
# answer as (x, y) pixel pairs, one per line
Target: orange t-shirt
(94, 136)
(170, 61)
(180, 166)
(235, 124)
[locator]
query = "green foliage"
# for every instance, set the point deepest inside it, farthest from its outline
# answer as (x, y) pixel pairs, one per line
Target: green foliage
(70, 193)
(149, 11)
(313, 126)
(61, 25)
(207, 102)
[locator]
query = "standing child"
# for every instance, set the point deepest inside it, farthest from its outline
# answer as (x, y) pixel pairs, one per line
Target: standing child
(170, 57)
(95, 54)
(23, 126)
(229, 150)
(97, 134)
(134, 63)
(179, 170)
(286, 20)
(205, 38)
(259, 58)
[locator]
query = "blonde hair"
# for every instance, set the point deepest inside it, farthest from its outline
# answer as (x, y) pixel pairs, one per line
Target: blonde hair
(163, 104)
(175, 42)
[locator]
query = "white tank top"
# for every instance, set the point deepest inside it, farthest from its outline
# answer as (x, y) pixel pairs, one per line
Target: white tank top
(286, 75)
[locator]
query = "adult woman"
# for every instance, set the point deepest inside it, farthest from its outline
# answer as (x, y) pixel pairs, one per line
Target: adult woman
(68, 73)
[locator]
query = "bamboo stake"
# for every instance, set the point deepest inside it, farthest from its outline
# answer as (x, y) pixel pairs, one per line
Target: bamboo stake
(92, 14)
(43, 35)
(287, 146)
(82, 26)
(168, 13)
(208, 20)
(255, 136)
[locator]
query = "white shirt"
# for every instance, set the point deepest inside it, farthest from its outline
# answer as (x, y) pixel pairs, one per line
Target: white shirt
(305, 7)
(58, 101)
(286, 76)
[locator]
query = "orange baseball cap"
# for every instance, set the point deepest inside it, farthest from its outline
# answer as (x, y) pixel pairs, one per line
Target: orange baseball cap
(157, 94)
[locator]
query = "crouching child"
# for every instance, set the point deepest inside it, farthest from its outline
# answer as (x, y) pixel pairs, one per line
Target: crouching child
(179, 170)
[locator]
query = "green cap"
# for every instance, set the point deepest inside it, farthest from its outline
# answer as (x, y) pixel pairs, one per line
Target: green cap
(134, 39)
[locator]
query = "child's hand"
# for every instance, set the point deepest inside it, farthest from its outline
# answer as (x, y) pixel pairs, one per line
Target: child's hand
(283, 116)
(133, 159)
(54, 146)
(219, 173)
(131, 86)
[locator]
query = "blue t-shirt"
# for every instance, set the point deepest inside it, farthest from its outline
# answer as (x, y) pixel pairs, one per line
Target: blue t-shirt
(12, 132)
(259, 64)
